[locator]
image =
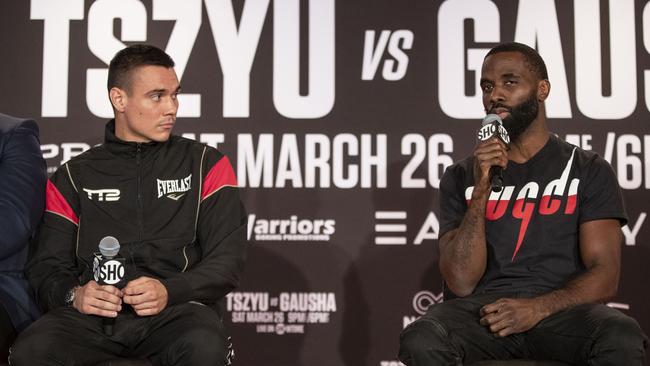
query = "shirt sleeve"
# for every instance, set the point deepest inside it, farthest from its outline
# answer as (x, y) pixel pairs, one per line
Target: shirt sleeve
(22, 187)
(52, 268)
(601, 196)
(221, 233)
(453, 204)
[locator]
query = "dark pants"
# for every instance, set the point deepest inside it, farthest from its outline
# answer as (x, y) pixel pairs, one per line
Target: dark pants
(186, 334)
(450, 334)
(7, 334)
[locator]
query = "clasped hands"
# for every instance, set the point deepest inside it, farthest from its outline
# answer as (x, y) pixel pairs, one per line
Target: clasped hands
(147, 296)
(509, 316)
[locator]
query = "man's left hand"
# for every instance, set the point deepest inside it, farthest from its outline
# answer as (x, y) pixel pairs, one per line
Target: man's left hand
(510, 316)
(146, 295)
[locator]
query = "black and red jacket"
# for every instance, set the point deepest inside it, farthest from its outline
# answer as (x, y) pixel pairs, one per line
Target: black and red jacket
(174, 206)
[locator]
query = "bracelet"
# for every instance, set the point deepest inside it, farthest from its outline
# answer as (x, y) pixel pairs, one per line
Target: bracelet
(69, 296)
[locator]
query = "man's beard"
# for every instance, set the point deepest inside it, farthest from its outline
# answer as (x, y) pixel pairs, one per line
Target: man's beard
(520, 117)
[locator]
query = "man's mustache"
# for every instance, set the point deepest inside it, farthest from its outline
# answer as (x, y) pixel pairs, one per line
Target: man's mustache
(494, 107)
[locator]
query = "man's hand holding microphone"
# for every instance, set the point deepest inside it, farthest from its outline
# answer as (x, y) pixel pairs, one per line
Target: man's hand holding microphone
(491, 154)
(105, 295)
(147, 296)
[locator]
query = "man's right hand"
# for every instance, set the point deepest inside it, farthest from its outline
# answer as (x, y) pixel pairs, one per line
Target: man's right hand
(95, 299)
(463, 251)
(492, 152)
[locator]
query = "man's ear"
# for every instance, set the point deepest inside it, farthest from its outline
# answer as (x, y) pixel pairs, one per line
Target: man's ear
(118, 99)
(543, 89)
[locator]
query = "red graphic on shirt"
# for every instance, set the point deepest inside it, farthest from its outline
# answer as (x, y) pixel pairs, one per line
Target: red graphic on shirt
(57, 204)
(527, 202)
(221, 175)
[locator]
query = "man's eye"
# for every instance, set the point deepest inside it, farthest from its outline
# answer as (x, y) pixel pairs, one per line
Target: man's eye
(486, 87)
(511, 82)
(155, 97)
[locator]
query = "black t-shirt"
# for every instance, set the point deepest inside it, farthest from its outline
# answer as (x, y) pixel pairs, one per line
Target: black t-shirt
(532, 224)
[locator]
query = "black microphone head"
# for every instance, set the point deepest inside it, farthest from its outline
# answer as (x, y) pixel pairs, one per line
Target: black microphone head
(109, 246)
(491, 118)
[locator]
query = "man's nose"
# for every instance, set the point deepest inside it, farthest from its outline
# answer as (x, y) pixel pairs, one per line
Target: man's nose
(171, 105)
(497, 95)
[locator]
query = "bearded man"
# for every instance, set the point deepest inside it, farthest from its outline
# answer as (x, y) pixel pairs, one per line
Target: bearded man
(529, 265)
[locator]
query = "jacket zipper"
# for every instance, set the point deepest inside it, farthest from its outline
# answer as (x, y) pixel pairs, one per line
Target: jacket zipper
(139, 192)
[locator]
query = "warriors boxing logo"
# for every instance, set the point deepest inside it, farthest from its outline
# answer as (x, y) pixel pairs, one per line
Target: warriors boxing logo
(527, 200)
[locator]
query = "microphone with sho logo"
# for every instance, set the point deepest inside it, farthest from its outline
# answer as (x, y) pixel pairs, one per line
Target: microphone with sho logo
(493, 126)
(109, 269)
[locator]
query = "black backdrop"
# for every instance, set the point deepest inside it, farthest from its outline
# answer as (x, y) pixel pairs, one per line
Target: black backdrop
(340, 117)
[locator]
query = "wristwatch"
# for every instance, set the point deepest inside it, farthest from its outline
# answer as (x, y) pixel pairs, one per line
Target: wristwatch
(69, 296)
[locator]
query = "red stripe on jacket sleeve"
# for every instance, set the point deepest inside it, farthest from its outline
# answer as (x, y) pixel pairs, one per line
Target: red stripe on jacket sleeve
(57, 204)
(221, 175)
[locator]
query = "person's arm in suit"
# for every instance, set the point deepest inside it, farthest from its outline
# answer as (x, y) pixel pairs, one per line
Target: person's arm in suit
(22, 186)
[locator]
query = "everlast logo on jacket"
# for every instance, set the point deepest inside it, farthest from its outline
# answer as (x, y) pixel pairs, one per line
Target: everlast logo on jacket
(174, 188)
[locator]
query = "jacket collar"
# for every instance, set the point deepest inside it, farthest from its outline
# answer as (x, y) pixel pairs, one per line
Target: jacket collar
(128, 149)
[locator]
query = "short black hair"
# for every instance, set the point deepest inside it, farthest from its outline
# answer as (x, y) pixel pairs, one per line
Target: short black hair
(132, 57)
(533, 60)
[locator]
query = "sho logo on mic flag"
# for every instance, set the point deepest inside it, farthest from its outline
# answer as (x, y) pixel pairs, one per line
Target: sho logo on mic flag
(493, 129)
(108, 272)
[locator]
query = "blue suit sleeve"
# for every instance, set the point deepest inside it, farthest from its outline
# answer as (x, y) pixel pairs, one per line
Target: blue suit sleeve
(22, 187)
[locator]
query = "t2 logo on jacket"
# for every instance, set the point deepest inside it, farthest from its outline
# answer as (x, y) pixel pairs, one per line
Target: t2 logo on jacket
(103, 194)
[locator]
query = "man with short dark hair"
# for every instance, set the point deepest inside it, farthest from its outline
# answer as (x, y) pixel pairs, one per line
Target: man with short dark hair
(22, 197)
(173, 205)
(530, 264)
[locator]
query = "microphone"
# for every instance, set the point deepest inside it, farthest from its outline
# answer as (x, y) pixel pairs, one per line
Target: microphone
(109, 269)
(493, 126)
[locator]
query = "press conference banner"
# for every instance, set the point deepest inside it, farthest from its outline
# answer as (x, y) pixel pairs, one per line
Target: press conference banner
(340, 118)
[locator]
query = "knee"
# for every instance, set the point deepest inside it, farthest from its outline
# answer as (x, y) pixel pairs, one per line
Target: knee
(421, 337)
(203, 346)
(28, 347)
(621, 334)
(622, 331)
